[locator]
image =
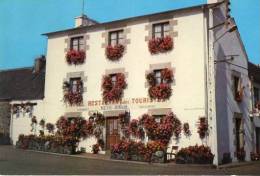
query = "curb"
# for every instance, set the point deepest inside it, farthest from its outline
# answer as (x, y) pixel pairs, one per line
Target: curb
(124, 161)
(233, 165)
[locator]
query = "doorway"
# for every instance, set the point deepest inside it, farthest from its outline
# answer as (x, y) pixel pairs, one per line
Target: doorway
(257, 132)
(112, 132)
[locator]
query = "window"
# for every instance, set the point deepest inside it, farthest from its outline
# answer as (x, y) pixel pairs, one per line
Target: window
(235, 85)
(116, 37)
(75, 85)
(77, 43)
(158, 118)
(256, 95)
(113, 79)
(158, 76)
(161, 30)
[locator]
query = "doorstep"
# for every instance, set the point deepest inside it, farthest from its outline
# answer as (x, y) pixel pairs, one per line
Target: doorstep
(106, 157)
(237, 164)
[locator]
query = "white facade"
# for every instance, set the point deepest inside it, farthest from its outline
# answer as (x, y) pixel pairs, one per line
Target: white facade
(189, 59)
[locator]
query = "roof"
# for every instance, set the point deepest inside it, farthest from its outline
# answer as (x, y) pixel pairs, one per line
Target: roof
(22, 84)
(254, 72)
(132, 18)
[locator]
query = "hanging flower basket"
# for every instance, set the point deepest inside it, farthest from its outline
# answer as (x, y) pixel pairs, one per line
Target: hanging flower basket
(71, 97)
(161, 91)
(202, 127)
(114, 53)
(75, 57)
(113, 92)
(160, 45)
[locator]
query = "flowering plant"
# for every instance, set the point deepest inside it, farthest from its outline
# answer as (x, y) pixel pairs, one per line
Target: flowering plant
(162, 131)
(186, 129)
(73, 97)
(75, 57)
(160, 45)
(255, 156)
(95, 148)
(50, 127)
(195, 154)
(114, 53)
(202, 127)
(124, 118)
(163, 90)
(135, 129)
(113, 92)
(42, 123)
(241, 154)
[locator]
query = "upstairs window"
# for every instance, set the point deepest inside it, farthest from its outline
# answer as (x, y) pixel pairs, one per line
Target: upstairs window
(235, 85)
(75, 85)
(116, 37)
(77, 43)
(113, 79)
(161, 30)
(256, 95)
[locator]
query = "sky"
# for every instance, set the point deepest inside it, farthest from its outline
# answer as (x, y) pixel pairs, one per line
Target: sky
(23, 21)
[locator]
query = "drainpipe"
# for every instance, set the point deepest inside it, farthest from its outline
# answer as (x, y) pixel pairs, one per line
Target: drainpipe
(211, 94)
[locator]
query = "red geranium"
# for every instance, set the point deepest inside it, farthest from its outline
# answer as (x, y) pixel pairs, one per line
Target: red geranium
(160, 91)
(73, 97)
(202, 127)
(114, 53)
(113, 92)
(75, 57)
(161, 45)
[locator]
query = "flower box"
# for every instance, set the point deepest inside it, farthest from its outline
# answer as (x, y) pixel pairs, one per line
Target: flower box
(160, 45)
(75, 57)
(194, 155)
(114, 53)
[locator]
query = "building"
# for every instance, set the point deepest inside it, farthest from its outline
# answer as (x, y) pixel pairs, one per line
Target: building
(21, 89)
(200, 46)
(254, 74)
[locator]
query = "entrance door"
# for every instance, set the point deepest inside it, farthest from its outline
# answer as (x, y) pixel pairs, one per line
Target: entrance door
(112, 132)
(257, 131)
(239, 134)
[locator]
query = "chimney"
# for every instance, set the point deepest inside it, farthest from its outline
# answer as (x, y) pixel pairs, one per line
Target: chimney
(214, 1)
(39, 64)
(83, 20)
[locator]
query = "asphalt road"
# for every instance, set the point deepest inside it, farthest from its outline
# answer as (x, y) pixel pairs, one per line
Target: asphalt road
(16, 161)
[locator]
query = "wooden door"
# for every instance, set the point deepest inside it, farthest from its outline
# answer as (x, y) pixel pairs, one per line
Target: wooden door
(112, 131)
(257, 131)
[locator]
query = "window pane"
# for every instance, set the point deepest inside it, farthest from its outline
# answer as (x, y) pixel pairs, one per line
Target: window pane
(113, 35)
(81, 47)
(75, 47)
(113, 42)
(74, 42)
(166, 33)
(81, 41)
(166, 27)
(157, 28)
(157, 35)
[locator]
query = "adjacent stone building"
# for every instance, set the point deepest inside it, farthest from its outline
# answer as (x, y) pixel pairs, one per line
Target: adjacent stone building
(20, 86)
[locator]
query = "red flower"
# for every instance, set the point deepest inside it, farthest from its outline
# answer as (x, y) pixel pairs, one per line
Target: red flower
(75, 57)
(71, 97)
(161, 45)
(114, 53)
(202, 127)
(113, 92)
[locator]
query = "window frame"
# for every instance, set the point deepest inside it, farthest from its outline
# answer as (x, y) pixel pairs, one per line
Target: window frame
(78, 41)
(117, 39)
(156, 78)
(113, 76)
(162, 32)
